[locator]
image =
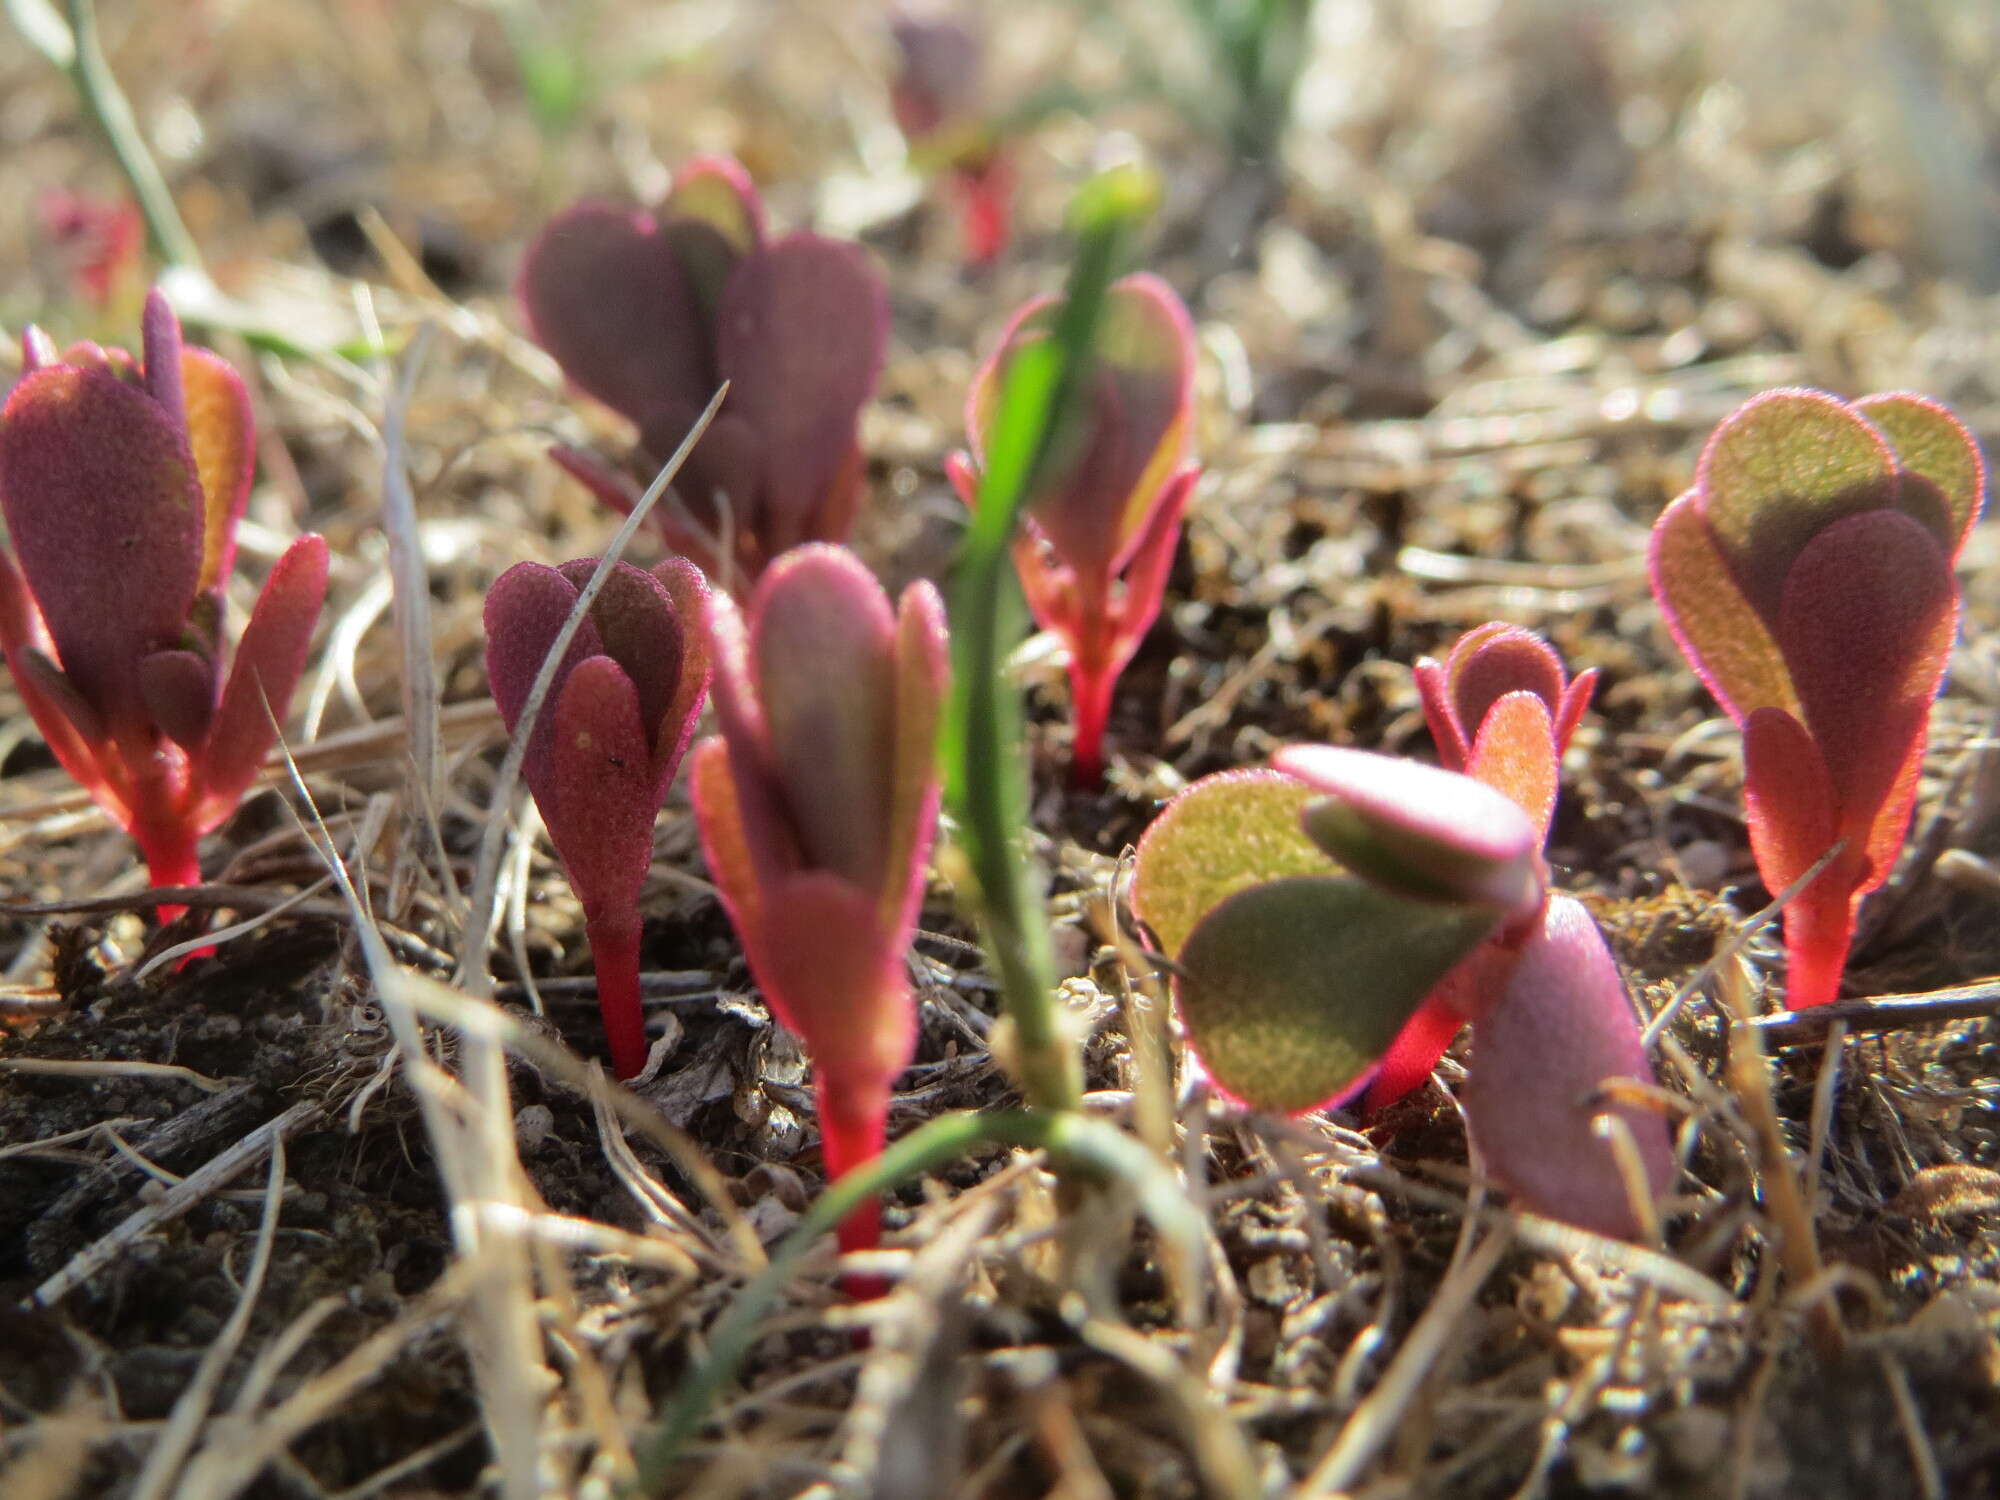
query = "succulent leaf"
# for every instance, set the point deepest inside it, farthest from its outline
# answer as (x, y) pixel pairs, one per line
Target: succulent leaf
(1424, 833)
(1292, 989)
(1540, 1059)
(1222, 834)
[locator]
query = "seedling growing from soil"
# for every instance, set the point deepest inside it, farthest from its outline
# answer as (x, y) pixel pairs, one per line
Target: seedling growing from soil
(1310, 909)
(122, 484)
(1808, 578)
(1104, 513)
(940, 108)
(607, 741)
(817, 805)
(1502, 710)
(649, 313)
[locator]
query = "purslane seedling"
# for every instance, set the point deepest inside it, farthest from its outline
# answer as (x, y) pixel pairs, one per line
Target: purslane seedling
(817, 804)
(1501, 709)
(1101, 523)
(941, 109)
(1808, 577)
(122, 483)
(650, 312)
(606, 742)
(1308, 911)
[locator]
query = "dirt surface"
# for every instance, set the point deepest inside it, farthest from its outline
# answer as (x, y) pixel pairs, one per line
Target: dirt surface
(1461, 343)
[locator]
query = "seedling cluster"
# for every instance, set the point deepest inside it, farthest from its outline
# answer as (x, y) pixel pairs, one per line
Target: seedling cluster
(1329, 922)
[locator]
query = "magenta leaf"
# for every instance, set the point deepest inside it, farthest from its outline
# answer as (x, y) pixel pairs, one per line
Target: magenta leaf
(1417, 831)
(606, 743)
(650, 313)
(1541, 1057)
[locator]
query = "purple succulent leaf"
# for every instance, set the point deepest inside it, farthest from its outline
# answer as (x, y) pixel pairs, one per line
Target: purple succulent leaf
(1540, 1057)
(525, 611)
(104, 510)
(1569, 713)
(834, 974)
(922, 666)
(801, 340)
(1867, 618)
(938, 80)
(70, 726)
(605, 795)
(1495, 660)
(161, 332)
(759, 841)
(180, 689)
(638, 627)
(689, 591)
(605, 293)
(1151, 561)
(822, 647)
(1114, 454)
(270, 658)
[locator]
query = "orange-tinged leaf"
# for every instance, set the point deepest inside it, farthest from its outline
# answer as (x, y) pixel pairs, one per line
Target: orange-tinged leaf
(221, 436)
(1515, 754)
(1724, 639)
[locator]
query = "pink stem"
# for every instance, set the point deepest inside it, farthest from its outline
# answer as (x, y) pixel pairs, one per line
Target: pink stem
(171, 859)
(1090, 688)
(1819, 930)
(853, 1122)
(614, 950)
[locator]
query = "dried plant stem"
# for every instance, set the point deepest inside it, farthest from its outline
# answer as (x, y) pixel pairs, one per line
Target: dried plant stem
(1749, 1075)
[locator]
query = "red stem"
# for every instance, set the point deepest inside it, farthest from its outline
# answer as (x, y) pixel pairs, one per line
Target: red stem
(614, 950)
(1090, 688)
(853, 1122)
(171, 859)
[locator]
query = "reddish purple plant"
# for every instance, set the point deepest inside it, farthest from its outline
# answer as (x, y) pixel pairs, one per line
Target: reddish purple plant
(1502, 710)
(1309, 910)
(650, 313)
(1099, 528)
(606, 742)
(940, 108)
(1808, 578)
(122, 484)
(817, 804)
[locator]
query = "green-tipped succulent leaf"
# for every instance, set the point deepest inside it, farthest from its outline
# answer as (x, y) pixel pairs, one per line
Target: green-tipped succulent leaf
(1293, 989)
(1224, 833)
